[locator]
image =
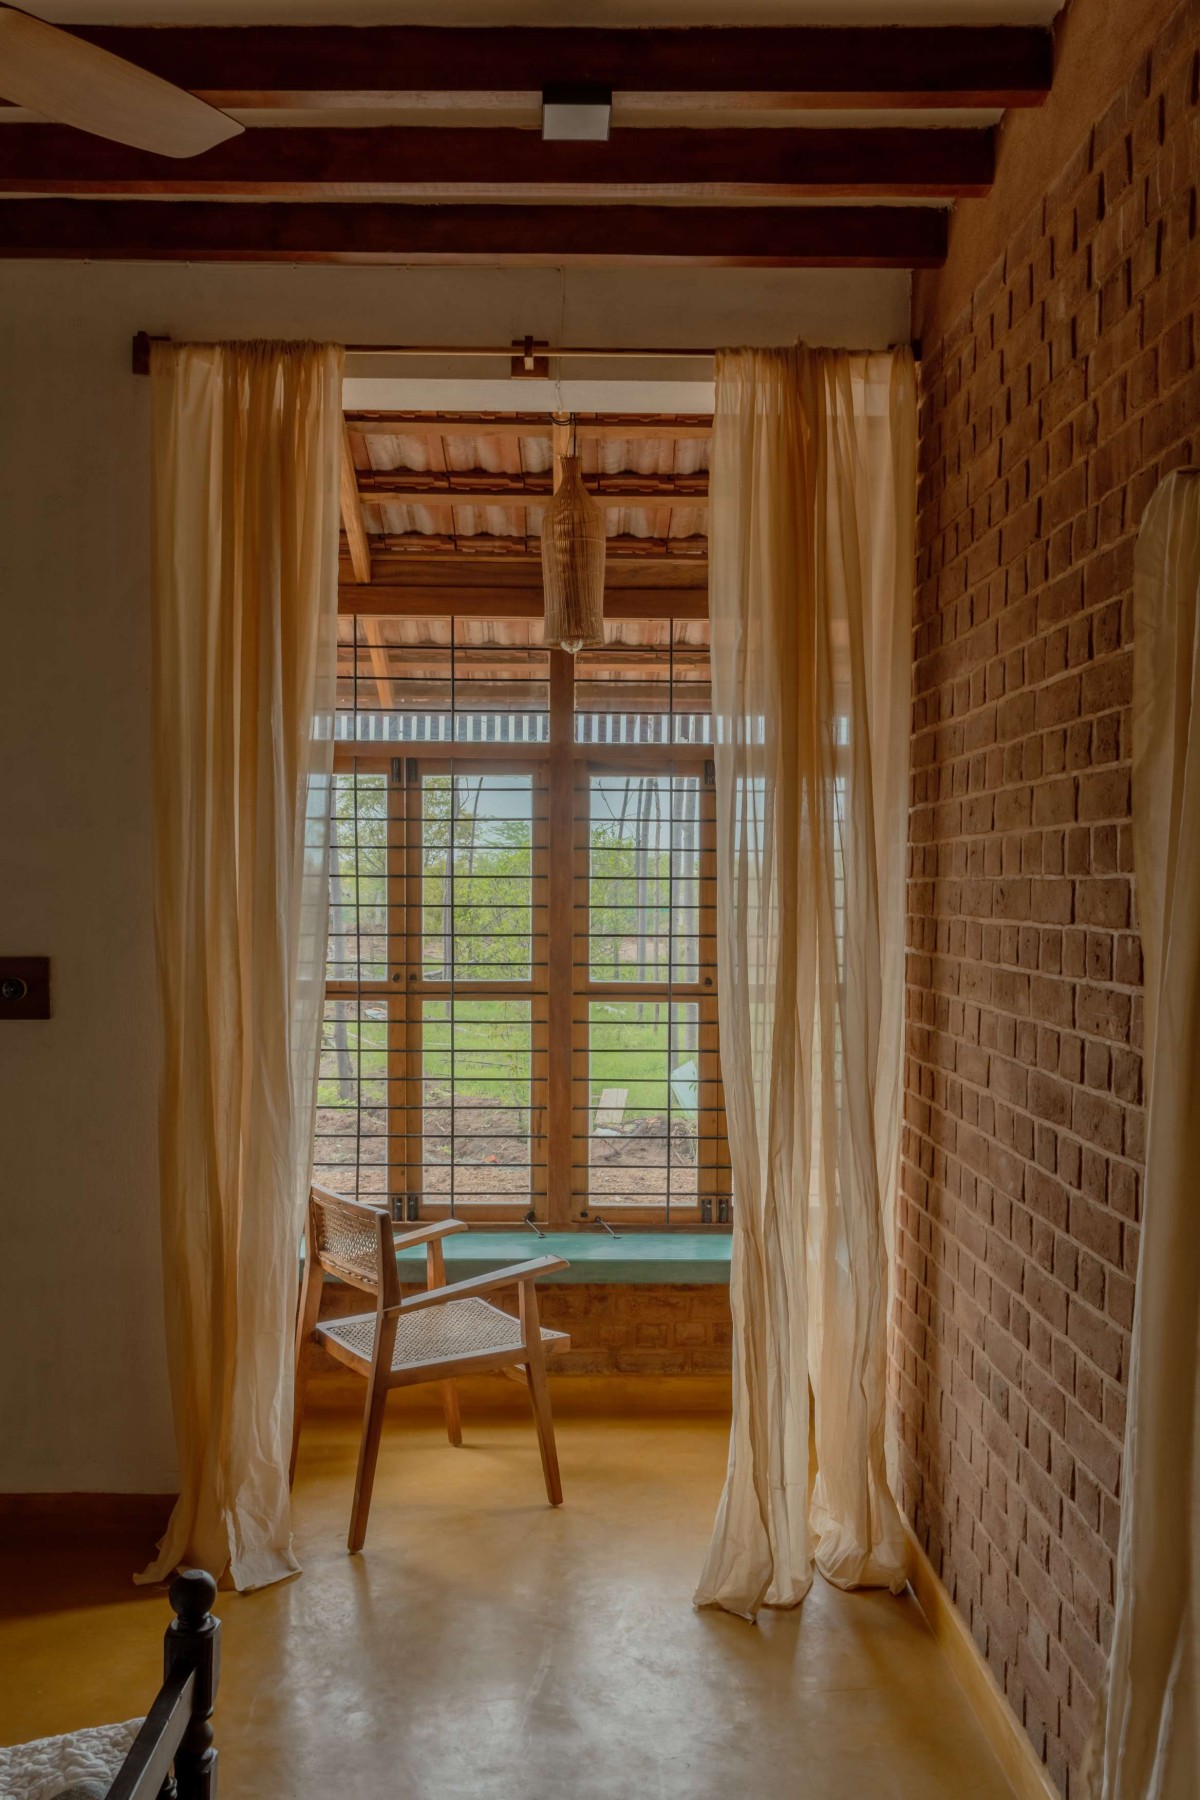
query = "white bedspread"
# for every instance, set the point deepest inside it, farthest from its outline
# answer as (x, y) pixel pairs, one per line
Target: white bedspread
(40, 1770)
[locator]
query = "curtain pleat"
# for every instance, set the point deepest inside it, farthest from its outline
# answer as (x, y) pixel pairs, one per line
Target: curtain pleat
(246, 445)
(811, 572)
(1147, 1743)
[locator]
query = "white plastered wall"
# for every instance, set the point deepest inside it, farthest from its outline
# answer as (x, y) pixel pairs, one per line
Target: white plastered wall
(83, 1394)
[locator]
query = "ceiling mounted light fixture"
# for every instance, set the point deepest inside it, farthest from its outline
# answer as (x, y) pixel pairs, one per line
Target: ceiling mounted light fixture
(573, 112)
(573, 554)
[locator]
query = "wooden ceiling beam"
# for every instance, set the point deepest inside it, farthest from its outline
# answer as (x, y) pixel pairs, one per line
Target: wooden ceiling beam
(431, 163)
(407, 663)
(423, 565)
(610, 429)
(859, 66)
(480, 600)
(904, 237)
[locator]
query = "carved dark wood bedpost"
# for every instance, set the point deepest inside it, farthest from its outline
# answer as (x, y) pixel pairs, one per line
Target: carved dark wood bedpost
(195, 1635)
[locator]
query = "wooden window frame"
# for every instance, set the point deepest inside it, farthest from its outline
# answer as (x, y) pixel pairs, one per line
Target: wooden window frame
(560, 989)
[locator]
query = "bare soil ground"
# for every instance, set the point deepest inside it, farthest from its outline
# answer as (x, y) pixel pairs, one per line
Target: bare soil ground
(491, 1160)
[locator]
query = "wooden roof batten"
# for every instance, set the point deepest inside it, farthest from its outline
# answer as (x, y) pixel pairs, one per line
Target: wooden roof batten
(379, 487)
(591, 426)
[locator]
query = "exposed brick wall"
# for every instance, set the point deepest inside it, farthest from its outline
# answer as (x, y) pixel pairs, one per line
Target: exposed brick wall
(641, 1329)
(1050, 409)
(626, 1329)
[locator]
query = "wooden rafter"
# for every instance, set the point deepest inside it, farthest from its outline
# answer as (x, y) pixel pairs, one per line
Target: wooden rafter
(528, 663)
(491, 551)
(377, 653)
(903, 237)
(852, 66)
(352, 518)
(421, 164)
(628, 497)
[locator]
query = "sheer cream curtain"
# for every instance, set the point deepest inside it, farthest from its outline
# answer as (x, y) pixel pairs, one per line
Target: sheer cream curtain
(1148, 1738)
(246, 444)
(812, 511)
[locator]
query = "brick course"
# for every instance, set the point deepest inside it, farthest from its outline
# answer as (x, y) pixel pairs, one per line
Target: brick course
(633, 1328)
(1049, 411)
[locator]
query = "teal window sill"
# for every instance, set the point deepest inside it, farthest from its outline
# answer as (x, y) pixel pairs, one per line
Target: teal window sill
(678, 1258)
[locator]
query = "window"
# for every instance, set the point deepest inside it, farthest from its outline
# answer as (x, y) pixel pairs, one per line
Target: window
(521, 999)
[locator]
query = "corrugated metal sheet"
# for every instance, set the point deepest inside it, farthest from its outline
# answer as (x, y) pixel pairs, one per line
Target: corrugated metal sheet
(514, 458)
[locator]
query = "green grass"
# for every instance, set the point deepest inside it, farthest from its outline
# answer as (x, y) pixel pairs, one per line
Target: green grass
(492, 1055)
(632, 1053)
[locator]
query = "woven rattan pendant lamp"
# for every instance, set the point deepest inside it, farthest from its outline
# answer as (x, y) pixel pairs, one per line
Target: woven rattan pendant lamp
(573, 549)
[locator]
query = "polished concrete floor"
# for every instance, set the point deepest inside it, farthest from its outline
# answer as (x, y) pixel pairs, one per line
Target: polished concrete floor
(484, 1645)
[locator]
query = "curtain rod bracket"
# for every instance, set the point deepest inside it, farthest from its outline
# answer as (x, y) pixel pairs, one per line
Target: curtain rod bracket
(529, 360)
(142, 341)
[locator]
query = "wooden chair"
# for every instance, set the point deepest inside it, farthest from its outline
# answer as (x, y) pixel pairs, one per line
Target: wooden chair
(431, 1336)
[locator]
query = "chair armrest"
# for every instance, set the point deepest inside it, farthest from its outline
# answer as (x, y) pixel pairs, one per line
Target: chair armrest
(426, 1234)
(483, 1284)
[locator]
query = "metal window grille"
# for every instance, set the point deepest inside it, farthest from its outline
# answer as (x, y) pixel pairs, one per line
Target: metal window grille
(522, 853)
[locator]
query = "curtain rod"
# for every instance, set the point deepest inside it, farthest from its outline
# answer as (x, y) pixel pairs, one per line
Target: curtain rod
(528, 357)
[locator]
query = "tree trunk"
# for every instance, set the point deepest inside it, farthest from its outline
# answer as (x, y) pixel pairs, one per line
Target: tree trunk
(641, 874)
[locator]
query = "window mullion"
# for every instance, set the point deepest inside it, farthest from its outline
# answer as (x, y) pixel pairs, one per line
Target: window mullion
(405, 973)
(560, 957)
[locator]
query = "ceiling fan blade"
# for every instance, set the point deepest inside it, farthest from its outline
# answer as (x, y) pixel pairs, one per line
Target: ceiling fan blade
(73, 82)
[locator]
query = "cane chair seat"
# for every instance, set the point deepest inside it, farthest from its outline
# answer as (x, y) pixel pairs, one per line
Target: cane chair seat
(452, 1332)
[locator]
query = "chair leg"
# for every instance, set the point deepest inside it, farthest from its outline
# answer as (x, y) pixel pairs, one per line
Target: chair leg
(543, 1418)
(453, 1415)
(539, 1389)
(299, 1389)
(306, 1321)
(368, 1456)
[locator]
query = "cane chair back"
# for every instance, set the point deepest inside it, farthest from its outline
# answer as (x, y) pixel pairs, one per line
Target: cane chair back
(353, 1241)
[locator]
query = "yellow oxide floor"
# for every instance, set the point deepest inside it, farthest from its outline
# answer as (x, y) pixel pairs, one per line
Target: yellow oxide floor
(484, 1645)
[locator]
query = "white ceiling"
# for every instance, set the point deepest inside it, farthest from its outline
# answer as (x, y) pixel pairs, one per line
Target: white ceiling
(549, 12)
